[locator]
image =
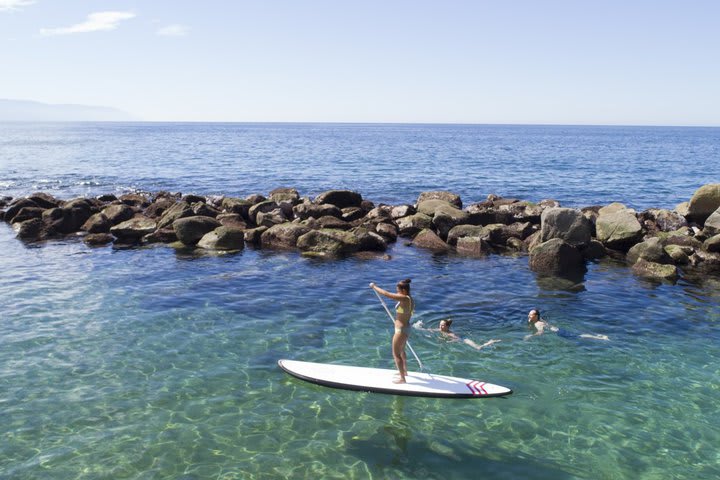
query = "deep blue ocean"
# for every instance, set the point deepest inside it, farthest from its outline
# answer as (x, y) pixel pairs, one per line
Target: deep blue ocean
(152, 363)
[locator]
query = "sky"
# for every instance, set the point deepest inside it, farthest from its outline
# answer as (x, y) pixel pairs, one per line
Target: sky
(391, 61)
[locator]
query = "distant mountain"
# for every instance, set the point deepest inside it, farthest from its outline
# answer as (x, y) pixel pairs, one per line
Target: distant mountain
(29, 111)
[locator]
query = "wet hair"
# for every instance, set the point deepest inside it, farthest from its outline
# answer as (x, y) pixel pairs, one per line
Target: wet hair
(448, 321)
(536, 311)
(404, 285)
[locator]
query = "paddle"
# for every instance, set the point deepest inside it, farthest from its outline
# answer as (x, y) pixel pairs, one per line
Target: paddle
(393, 320)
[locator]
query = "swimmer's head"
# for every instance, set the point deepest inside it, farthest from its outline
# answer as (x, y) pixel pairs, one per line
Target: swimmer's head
(445, 325)
(533, 315)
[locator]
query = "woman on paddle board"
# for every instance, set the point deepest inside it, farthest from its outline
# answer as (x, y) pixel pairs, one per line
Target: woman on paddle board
(403, 311)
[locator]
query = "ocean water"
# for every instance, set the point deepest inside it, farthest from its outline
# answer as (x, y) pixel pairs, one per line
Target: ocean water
(156, 363)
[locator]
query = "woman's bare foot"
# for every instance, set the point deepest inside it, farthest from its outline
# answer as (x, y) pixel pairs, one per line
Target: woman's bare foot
(399, 380)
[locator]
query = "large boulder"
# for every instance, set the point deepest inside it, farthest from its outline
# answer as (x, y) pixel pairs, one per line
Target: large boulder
(410, 226)
(487, 213)
(237, 205)
(118, 213)
(334, 242)
(266, 206)
(712, 244)
(30, 229)
(428, 207)
(134, 229)
(304, 211)
(176, 212)
(619, 230)
(655, 270)
(567, 224)
(16, 206)
(664, 220)
(462, 231)
(273, 217)
(380, 214)
(97, 223)
(472, 246)
(557, 257)
(446, 217)
(430, 240)
(712, 224)
(223, 238)
(69, 218)
(190, 230)
(283, 236)
(613, 208)
(339, 198)
(448, 197)
(680, 255)
(704, 202)
(27, 213)
(388, 231)
(285, 195)
(369, 240)
(521, 212)
(44, 200)
(650, 250)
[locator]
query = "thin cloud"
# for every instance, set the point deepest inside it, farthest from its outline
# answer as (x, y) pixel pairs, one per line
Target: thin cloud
(96, 22)
(7, 5)
(173, 31)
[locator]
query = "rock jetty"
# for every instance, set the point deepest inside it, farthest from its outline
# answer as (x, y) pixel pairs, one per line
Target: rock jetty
(656, 243)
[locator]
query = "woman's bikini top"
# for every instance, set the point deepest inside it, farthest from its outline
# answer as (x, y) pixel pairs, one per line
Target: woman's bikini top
(400, 309)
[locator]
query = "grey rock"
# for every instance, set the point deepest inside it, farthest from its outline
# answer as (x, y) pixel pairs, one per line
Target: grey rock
(134, 229)
(339, 198)
(190, 230)
(223, 238)
(704, 202)
(97, 223)
(567, 224)
(712, 244)
(557, 257)
(650, 250)
(472, 246)
(304, 211)
(462, 231)
(430, 240)
(712, 224)
(449, 197)
(335, 242)
(283, 236)
(619, 230)
(678, 254)
(410, 226)
(118, 213)
(174, 213)
(30, 229)
(655, 270)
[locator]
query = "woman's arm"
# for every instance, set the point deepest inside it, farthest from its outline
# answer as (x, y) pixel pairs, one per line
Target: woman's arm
(394, 296)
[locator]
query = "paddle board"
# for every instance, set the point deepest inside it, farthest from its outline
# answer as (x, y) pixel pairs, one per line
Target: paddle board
(380, 380)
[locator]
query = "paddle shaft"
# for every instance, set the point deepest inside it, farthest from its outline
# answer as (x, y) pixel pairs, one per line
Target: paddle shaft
(393, 320)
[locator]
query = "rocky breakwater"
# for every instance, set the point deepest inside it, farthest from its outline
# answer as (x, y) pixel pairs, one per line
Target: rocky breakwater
(559, 241)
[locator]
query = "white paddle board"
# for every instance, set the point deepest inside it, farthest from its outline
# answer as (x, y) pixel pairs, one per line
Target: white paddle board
(380, 380)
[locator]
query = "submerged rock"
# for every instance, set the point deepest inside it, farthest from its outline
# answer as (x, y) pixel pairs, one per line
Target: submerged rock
(655, 270)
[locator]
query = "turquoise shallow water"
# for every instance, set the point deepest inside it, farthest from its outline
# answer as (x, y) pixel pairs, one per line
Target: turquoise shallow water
(152, 363)
(158, 364)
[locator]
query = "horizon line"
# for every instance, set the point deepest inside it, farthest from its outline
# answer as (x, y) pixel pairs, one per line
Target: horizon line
(281, 122)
